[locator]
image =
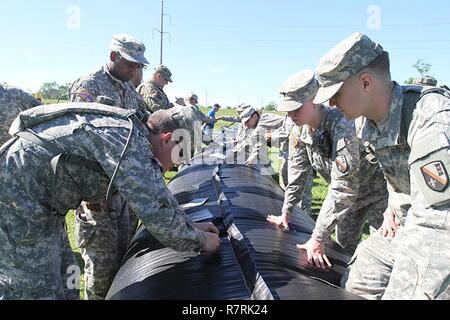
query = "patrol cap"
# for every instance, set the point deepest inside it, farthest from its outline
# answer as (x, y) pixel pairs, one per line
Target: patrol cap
(129, 47)
(242, 107)
(164, 71)
(247, 114)
(346, 59)
(297, 89)
(192, 96)
(163, 121)
(180, 101)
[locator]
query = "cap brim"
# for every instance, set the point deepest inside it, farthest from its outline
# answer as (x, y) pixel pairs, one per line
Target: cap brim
(289, 105)
(140, 60)
(326, 93)
(168, 79)
(244, 120)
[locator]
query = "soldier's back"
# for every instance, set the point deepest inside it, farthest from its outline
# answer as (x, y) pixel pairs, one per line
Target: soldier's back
(154, 97)
(13, 100)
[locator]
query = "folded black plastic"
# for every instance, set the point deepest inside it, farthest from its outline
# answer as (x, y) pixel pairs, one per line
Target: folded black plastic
(256, 260)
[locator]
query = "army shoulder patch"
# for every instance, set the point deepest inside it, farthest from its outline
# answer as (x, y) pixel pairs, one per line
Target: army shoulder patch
(435, 175)
(341, 164)
(85, 96)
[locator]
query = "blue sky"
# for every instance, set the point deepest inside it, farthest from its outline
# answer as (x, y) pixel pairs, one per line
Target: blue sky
(227, 51)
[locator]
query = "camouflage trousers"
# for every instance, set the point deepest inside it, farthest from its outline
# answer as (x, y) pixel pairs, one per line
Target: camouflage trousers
(412, 265)
(39, 266)
(349, 230)
(306, 202)
(103, 239)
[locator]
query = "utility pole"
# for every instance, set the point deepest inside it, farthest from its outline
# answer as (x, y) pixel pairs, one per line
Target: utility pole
(161, 31)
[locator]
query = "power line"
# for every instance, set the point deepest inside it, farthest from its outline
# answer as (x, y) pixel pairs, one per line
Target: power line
(315, 26)
(161, 31)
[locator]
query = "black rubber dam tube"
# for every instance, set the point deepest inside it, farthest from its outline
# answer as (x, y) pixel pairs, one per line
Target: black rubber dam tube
(256, 260)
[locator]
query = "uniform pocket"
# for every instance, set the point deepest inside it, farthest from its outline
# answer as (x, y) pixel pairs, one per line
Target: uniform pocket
(84, 230)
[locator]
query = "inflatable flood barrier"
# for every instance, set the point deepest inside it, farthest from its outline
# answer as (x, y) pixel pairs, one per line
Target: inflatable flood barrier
(256, 260)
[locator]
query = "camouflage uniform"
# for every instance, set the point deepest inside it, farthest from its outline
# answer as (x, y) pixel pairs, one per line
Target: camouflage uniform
(233, 119)
(154, 96)
(281, 138)
(191, 120)
(95, 229)
(103, 83)
(36, 200)
(356, 191)
(412, 146)
(12, 101)
(199, 114)
(356, 187)
(306, 201)
(237, 118)
(251, 145)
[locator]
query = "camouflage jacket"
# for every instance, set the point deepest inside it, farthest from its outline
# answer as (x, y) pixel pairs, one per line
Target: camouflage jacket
(199, 114)
(194, 123)
(12, 101)
(33, 188)
(282, 134)
(416, 169)
(250, 143)
(154, 96)
(103, 83)
(334, 151)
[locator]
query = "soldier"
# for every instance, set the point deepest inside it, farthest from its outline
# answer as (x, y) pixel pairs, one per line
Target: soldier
(152, 90)
(233, 119)
(281, 135)
(196, 119)
(102, 239)
(189, 117)
(179, 101)
(12, 101)
(82, 153)
(126, 58)
(237, 118)
(327, 144)
(251, 147)
(407, 129)
(192, 102)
